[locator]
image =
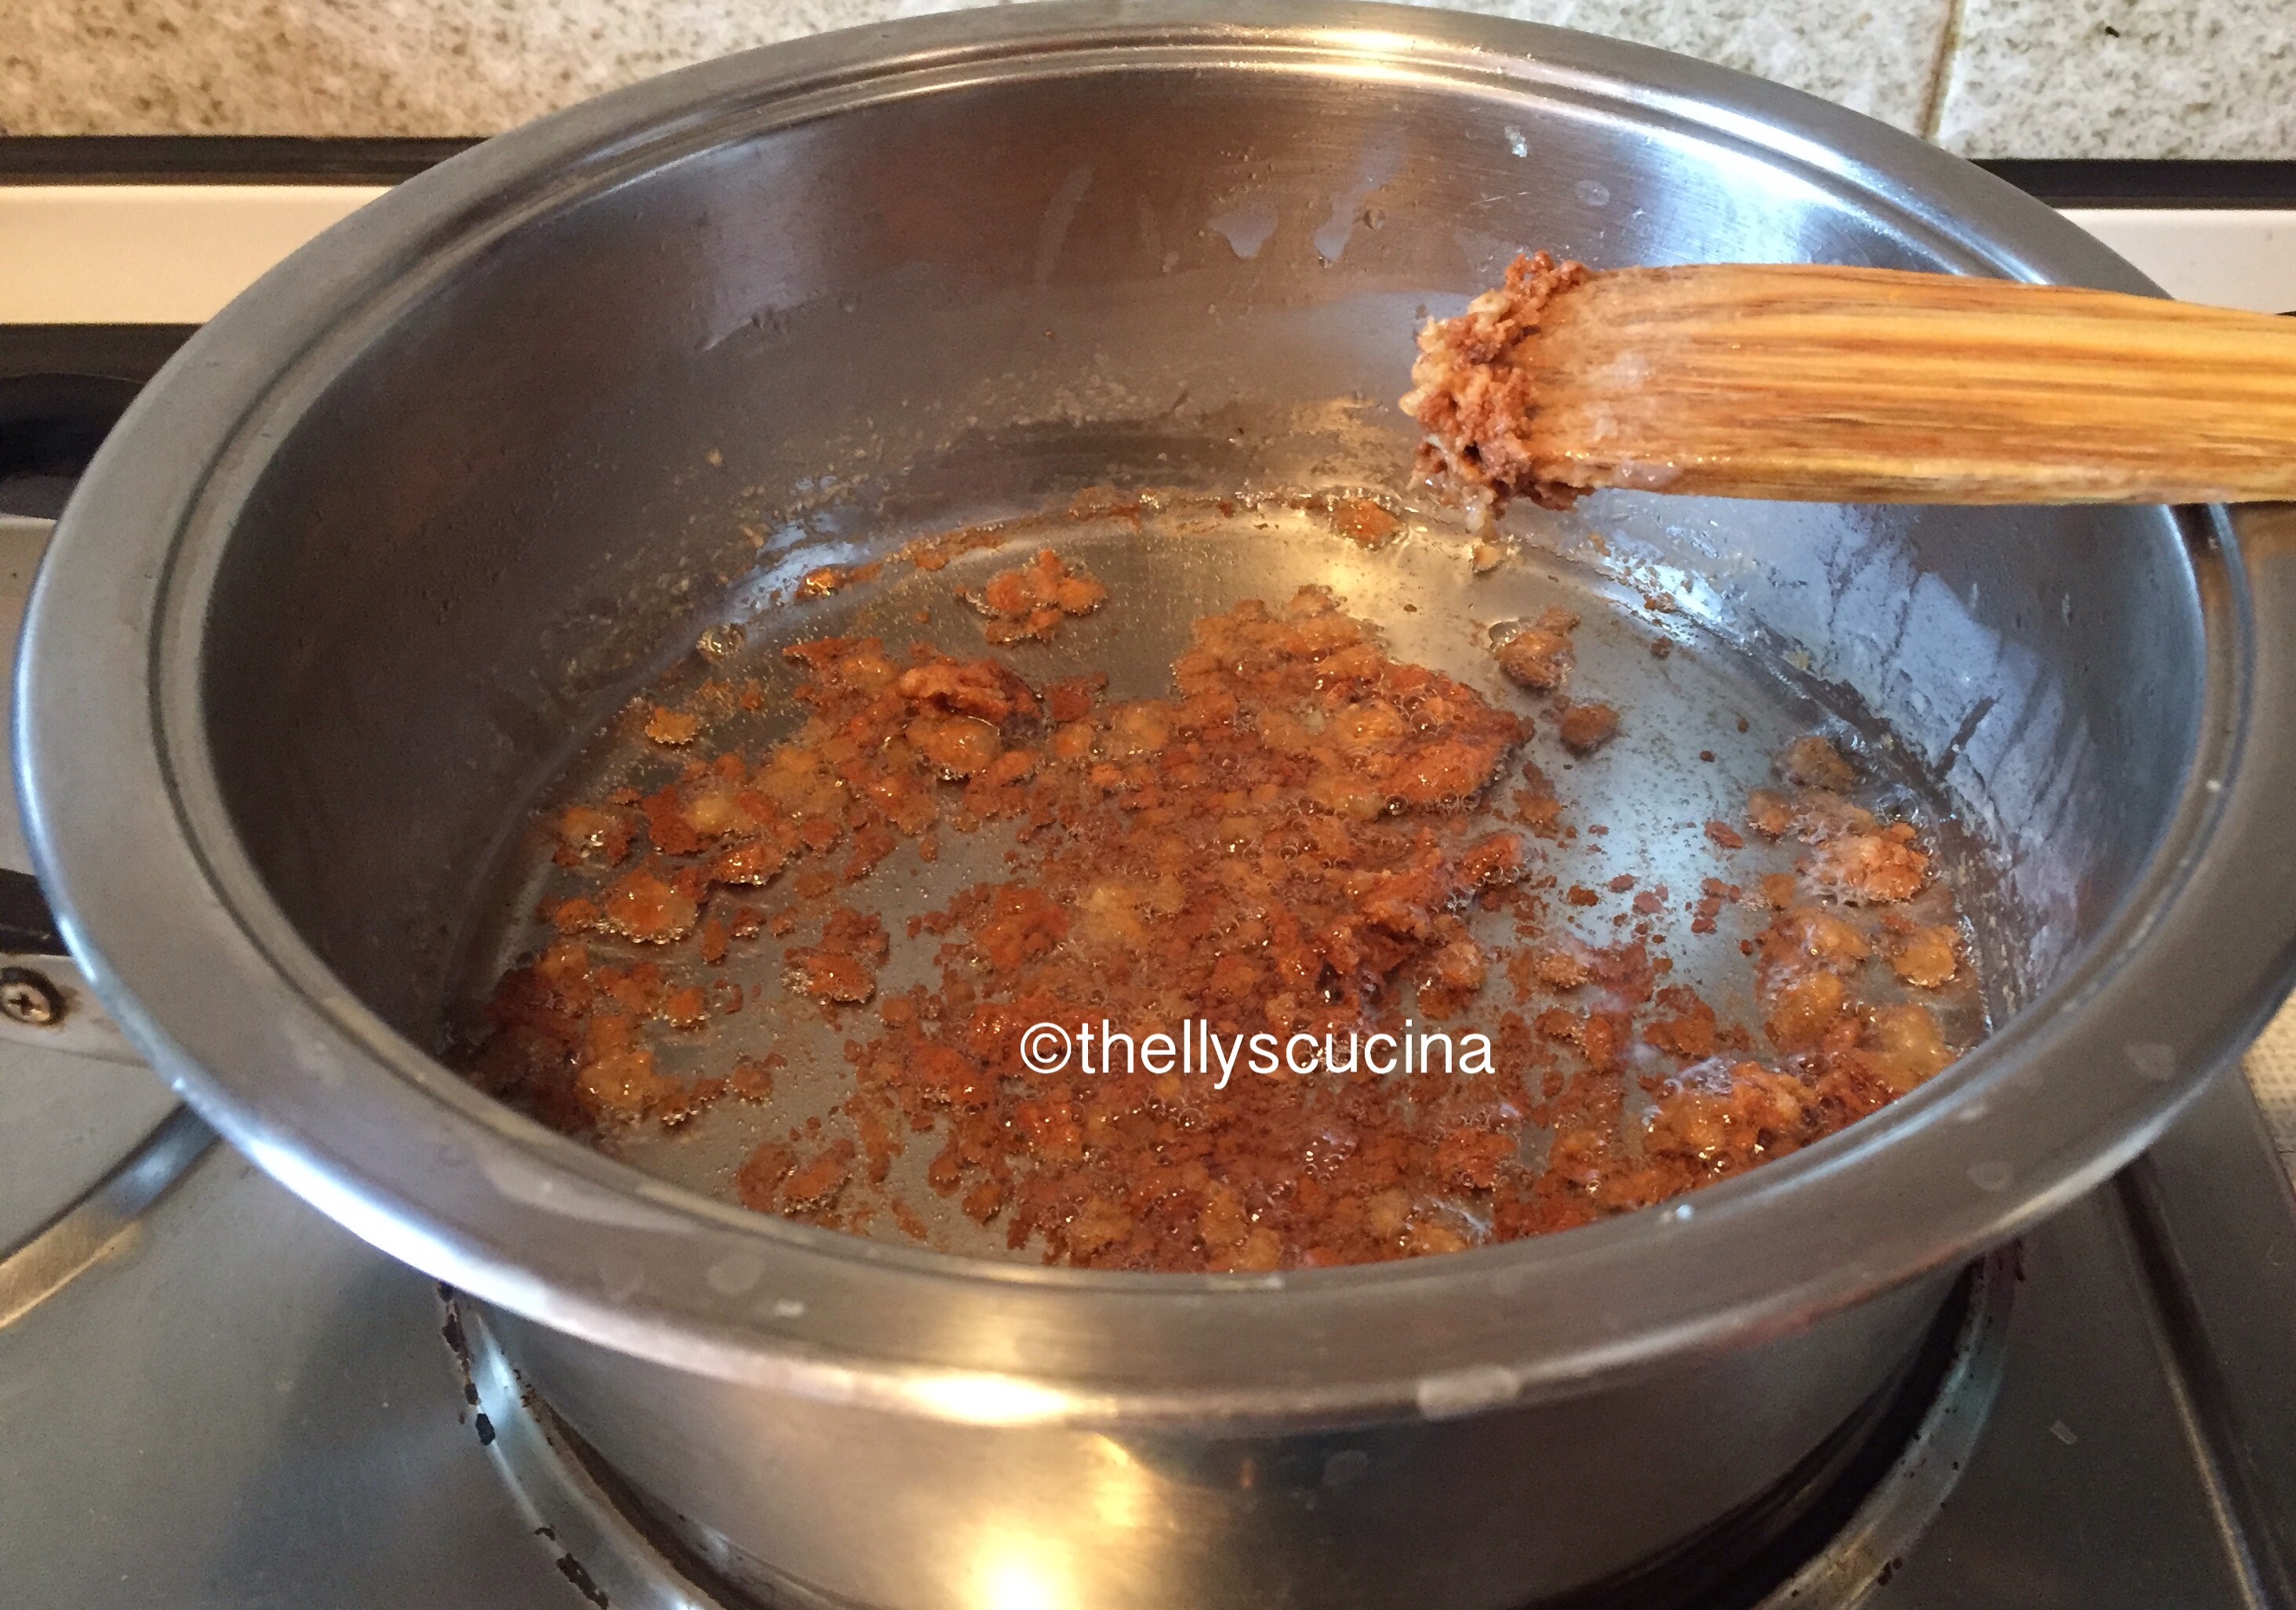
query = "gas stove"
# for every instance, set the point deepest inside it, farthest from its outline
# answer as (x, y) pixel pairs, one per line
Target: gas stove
(209, 1395)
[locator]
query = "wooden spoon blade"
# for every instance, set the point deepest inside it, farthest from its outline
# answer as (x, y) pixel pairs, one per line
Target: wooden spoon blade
(1831, 384)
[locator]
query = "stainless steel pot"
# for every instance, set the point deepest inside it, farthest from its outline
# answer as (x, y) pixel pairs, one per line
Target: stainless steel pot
(408, 517)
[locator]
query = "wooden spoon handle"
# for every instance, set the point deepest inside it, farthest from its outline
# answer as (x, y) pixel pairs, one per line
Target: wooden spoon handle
(1871, 385)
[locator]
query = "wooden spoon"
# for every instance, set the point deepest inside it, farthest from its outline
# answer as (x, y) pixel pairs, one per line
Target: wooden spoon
(1851, 385)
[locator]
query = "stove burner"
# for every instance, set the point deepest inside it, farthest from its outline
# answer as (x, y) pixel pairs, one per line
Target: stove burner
(1901, 1500)
(1834, 1531)
(599, 1540)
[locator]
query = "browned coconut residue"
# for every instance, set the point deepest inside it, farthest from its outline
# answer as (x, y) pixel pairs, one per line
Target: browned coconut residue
(1292, 846)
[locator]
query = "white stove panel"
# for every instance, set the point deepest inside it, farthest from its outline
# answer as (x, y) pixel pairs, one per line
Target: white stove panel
(174, 254)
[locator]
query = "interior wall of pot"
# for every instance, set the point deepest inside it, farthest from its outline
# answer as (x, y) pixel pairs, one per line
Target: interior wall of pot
(664, 397)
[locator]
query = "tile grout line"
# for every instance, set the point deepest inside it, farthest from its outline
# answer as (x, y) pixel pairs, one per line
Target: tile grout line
(1941, 69)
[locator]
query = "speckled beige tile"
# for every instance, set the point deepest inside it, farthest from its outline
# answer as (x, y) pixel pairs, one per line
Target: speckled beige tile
(465, 66)
(1876, 56)
(356, 66)
(2122, 78)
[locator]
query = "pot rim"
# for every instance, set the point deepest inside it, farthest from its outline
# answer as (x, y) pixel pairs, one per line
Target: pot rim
(206, 976)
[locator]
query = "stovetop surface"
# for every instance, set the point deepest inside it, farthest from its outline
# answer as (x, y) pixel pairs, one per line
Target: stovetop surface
(243, 1405)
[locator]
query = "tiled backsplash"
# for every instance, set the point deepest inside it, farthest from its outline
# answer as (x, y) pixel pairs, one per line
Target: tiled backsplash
(1986, 78)
(2121, 79)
